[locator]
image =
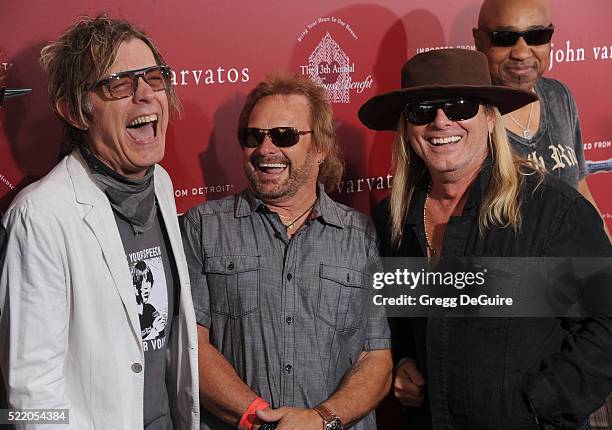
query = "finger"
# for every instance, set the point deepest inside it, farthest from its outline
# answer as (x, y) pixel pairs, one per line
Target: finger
(403, 383)
(410, 370)
(409, 400)
(409, 391)
(269, 415)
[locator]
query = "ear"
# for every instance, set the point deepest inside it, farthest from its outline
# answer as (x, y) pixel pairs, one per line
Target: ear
(62, 107)
(478, 42)
(321, 154)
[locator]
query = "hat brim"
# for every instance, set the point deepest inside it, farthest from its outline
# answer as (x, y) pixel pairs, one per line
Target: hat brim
(382, 112)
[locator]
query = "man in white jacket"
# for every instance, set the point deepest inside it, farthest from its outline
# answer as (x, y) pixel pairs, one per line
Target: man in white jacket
(71, 331)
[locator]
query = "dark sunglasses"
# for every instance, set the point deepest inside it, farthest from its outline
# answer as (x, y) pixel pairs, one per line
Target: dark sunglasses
(124, 84)
(506, 38)
(458, 109)
(283, 137)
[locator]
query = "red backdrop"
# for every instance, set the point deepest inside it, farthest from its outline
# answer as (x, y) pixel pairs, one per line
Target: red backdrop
(220, 50)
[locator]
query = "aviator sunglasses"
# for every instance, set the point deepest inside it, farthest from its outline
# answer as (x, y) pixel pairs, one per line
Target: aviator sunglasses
(124, 84)
(458, 109)
(283, 137)
(506, 38)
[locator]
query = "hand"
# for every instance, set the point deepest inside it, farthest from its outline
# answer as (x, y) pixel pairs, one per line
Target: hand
(160, 322)
(409, 385)
(292, 418)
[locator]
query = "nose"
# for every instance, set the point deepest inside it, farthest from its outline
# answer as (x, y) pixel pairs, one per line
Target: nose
(267, 146)
(144, 92)
(521, 50)
(441, 120)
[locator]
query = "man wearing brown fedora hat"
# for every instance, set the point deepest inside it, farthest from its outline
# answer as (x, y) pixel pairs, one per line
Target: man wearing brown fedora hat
(459, 190)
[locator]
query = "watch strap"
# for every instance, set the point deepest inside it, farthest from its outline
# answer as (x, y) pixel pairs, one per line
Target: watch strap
(327, 415)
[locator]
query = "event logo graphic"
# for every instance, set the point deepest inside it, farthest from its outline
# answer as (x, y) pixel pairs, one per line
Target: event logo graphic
(329, 65)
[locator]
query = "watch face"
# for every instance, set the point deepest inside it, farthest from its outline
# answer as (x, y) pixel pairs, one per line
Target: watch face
(334, 424)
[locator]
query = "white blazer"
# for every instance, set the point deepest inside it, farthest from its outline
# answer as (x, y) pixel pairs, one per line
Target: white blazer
(69, 329)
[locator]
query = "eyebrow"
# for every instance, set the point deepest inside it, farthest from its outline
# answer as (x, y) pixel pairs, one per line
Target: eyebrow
(512, 28)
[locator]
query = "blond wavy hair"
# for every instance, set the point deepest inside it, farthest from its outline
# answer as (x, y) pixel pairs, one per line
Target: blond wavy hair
(501, 204)
(324, 135)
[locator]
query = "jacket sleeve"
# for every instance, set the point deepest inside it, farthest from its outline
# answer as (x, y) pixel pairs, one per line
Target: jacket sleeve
(35, 309)
(575, 381)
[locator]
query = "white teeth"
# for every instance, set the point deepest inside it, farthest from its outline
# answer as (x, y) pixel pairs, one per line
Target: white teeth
(444, 140)
(272, 165)
(143, 120)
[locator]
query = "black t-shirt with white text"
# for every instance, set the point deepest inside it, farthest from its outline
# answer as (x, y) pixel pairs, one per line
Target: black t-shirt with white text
(154, 277)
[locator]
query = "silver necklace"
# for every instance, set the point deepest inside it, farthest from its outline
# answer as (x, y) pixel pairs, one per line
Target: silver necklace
(433, 250)
(526, 132)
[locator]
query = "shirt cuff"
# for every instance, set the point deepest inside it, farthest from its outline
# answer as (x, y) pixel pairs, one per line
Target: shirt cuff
(202, 318)
(374, 344)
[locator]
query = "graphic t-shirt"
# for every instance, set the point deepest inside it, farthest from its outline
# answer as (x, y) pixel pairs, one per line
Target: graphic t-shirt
(557, 145)
(154, 277)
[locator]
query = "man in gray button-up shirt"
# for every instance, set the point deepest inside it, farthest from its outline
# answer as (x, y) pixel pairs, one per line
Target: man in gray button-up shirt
(280, 279)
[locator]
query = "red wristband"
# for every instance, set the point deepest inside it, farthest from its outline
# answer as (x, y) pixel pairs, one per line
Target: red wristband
(249, 417)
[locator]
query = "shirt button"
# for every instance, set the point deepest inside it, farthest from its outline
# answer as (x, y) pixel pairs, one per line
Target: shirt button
(136, 367)
(288, 368)
(231, 265)
(289, 320)
(289, 276)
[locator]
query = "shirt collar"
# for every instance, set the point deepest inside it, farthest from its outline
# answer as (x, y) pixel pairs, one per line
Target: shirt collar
(326, 209)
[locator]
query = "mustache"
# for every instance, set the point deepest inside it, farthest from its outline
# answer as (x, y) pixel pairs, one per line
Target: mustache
(256, 159)
(527, 63)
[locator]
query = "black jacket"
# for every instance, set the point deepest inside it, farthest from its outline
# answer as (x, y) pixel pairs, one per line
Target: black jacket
(493, 373)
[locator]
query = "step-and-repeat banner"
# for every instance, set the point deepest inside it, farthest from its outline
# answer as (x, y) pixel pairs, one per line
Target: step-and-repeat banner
(220, 50)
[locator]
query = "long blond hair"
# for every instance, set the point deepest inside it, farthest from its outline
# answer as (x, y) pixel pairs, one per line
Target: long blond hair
(501, 204)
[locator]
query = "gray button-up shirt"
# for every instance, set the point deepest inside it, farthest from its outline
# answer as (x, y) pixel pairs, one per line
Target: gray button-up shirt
(291, 316)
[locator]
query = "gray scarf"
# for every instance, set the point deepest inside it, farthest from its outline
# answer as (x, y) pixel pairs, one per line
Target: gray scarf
(132, 199)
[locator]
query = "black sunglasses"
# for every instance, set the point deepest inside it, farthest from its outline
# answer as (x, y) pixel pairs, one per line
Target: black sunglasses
(458, 109)
(506, 38)
(283, 137)
(124, 84)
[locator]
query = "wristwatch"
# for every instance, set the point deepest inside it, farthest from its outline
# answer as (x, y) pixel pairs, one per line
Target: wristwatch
(331, 421)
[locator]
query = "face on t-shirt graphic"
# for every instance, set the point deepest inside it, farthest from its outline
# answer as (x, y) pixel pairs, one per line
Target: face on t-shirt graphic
(151, 296)
(145, 290)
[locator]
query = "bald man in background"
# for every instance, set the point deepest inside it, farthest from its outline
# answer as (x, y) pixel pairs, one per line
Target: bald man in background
(515, 35)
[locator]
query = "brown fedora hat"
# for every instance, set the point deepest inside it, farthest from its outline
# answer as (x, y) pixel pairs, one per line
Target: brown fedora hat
(440, 74)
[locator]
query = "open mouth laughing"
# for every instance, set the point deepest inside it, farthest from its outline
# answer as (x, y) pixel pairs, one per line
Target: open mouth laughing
(143, 129)
(271, 168)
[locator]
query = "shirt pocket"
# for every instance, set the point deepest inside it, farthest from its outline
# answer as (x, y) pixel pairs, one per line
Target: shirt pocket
(342, 296)
(233, 284)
